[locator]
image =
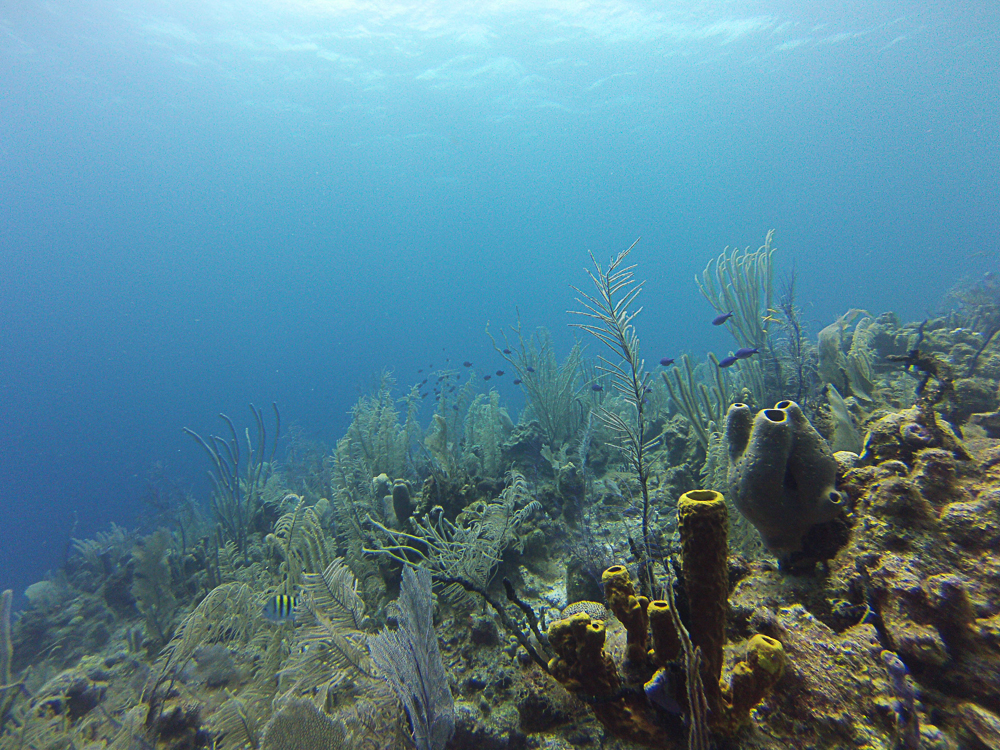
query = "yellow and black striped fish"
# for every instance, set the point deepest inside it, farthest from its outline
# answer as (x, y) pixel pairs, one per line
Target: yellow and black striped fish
(280, 608)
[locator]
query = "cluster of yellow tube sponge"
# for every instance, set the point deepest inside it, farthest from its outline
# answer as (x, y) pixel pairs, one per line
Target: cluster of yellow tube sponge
(654, 643)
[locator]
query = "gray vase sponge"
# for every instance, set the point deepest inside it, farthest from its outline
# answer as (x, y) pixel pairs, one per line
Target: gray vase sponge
(782, 475)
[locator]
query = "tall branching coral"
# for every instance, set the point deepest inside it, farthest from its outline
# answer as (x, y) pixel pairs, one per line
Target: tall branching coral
(742, 282)
(331, 646)
(375, 437)
(610, 308)
(152, 585)
(298, 537)
(228, 616)
(469, 548)
(552, 389)
(703, 404)
(802, 358)
(487, 425)
(331, 663)
(238, 485)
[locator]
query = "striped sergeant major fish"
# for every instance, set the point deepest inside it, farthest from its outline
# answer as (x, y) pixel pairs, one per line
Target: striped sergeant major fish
(280, 608)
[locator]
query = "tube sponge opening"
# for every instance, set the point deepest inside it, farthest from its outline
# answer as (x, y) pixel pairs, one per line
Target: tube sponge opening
(782, 474)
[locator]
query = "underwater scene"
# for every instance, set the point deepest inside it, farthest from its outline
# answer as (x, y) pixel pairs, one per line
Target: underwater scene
(602, 374)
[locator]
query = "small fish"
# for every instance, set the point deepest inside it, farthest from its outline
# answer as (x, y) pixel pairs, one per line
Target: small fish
(424, 395)
(720, 319)
(597, 387)
(530, 369)
(658, 692)
(728, 361)
(517, 381)
(506, 351)
(280, 608)
(667, 361)
(466, 363)
(423, 382)
(455, 407)
(499, 373)
(746, 352)
(649, 389)
(420, 370)
(487, 377)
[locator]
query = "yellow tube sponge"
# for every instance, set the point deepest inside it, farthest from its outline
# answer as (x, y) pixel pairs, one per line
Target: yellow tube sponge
(703, 522)
(581, 664)
(629, 609)
(663, 633)
(753, 679)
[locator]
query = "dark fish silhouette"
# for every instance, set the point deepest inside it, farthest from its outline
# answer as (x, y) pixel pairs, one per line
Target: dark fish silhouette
(596, 387)
(466, 363)
(517, 381)
(506, 351)
(746, 352)
(667, 361)
(720, 319)
(420, 370)
(728, 361)
(487, 377)
(499, 373)
(530, 369)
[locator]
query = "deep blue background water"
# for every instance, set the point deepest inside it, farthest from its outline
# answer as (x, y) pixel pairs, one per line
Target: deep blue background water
(204, 204)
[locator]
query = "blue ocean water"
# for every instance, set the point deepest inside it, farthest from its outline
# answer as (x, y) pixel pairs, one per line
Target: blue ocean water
(208, 204)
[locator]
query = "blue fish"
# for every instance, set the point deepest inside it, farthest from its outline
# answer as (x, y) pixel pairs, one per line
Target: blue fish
(746, 352)
(658, 692)
(530, 369)
(596, 388)
(728, 361)
(720, 319)
(666, 361)
(280, 608)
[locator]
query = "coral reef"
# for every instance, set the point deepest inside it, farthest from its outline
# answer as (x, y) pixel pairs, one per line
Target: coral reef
(588, 589)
